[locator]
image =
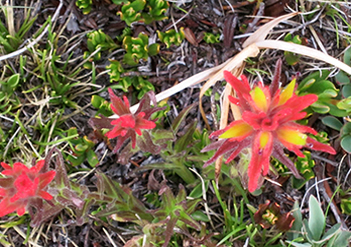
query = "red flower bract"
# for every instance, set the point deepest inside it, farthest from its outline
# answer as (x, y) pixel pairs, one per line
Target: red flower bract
(267, 126)
(127, 124)
(21, 185)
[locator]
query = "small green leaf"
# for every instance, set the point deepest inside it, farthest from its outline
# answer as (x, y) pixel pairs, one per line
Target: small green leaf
(346, 91)
(346, 206)
(13, 80)
(346, 143)
(316, 221)
(342, 78)
(154, 49)
(197, 192)
(344, 104)
(340, 240)
(346, 129)
(200, 216)
(332, 122)
(347, 56)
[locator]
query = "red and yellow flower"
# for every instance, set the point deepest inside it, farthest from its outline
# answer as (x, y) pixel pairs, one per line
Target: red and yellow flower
(267, 126)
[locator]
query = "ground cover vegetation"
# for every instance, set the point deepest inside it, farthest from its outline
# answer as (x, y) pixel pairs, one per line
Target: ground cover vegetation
(175, 123)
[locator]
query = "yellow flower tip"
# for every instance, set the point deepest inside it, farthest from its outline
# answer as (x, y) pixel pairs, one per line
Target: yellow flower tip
(259, 98)
(287, 93)
(264, 139)
(292, 136)
(239, 130)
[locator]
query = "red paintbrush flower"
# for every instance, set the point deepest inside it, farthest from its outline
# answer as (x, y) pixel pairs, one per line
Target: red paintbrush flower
(127, 125)
(21, 185)
(267, 126)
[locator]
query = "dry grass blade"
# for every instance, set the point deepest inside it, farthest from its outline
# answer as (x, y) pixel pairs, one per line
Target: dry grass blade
(303, 50)
(191, 81)
(263, 31)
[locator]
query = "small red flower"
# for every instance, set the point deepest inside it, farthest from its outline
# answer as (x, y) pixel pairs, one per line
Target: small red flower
(21, 185)
(126, 121)
(127, 125)
(267, 126)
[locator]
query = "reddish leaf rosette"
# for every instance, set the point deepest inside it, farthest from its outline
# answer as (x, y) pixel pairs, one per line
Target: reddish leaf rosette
(21, 185)
(269, 214)
(127, 125)
(267, 126)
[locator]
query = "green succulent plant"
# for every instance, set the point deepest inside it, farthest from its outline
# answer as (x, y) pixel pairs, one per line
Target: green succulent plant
(102, 105)
(304, 165)
(344, 129)
(97, 40)
(342, 77)
(138, 48)
(171, 37)
(82, 149)
(211, 38)
(84, 5)
(318, 83)
(131, 11)
(140, 84)
(116, 69)
(157, 10)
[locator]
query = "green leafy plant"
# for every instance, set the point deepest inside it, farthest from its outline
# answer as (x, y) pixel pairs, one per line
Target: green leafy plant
(345, 131)
(156, 10)
(118, 2)
(140, 84)
(84, 5)
(8, 101)
(97, 40)
(304, 165)
(318, 83)
(143, 11)
(311, 232)
(157, 225)
(131, 11)
(138, 48)
(171, 37)
(211, 38)
(345, 203)
(102, 105)
(176, 152)
(82, 149)
(342, 77)
(290, 57)
(11, 39)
